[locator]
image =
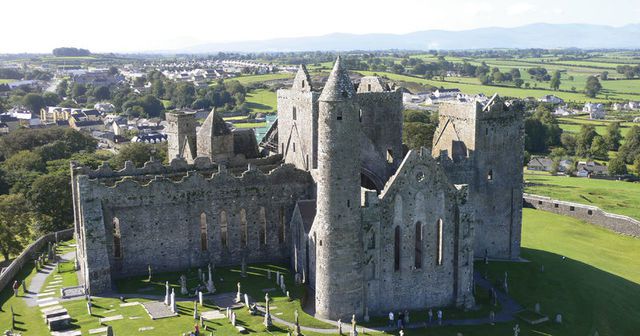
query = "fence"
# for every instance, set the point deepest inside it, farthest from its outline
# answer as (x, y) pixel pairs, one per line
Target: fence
(592, 214)
(30, 253)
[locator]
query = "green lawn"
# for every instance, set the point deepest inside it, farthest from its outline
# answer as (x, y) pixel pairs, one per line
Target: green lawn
(262, 100)
(250, 79)
(250, 125)
(6, 81)
(591, 276)
(614, 196)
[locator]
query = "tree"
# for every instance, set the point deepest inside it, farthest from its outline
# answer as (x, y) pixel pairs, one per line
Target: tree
(636, 165)
(78, 90)
(184, 95)
(25, 160)
(604, 75)
(584, 139)
(599, 148)
(592, 87)
(535, 135)
(515, 73)
(50, 196)
(617, 166)
(417, 134)
(102, 93)
(555, 80)
(15, 219)
(568, 142)
(33, 102)
(138, 153)
(518, 82)
(631, 147)
(613, 136)
(51, 99)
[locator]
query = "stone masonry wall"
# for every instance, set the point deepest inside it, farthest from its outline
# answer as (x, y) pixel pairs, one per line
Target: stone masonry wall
(591, 214)
(162, 221)
(418, 195)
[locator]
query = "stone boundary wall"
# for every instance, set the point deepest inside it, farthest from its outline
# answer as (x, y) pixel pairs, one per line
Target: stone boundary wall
(8, 274)
(591, 214)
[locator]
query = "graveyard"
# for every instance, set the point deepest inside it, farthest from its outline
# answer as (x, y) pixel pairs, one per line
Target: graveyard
(569, 286)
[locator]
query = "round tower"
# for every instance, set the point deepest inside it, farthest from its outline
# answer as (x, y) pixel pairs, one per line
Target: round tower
(339, 254)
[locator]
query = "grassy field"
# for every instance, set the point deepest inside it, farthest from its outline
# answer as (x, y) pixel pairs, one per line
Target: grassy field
(250, 125)
(488, 90)
(591, 276)
(250, 79)
(261, 100)
(614, 196)
(573, 77)
(6, 81)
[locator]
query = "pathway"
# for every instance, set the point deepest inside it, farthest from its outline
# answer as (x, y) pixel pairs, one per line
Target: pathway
(39, 279)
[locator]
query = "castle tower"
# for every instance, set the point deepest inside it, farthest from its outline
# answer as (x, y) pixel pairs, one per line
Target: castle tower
(484, 146)
(181, 136)
(338, 226)
(215, 139)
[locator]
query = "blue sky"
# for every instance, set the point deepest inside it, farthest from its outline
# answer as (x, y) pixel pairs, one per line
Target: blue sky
(142, 25)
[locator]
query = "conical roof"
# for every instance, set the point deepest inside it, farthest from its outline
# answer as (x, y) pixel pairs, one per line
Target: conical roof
(214, 125)
(339, 86)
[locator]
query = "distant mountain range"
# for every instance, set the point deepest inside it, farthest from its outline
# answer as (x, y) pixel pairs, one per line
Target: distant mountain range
(539, 35)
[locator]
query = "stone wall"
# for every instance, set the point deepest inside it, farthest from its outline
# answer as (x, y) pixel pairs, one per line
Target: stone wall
(29, 254)
(483, 146)
(591, 214)
(418, 201)
(172, 222)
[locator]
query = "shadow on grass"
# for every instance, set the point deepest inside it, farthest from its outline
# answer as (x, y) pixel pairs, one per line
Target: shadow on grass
(589, 299)
(258, 106)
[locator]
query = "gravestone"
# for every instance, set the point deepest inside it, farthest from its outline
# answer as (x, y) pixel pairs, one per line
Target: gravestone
(200, 298)
(183, 285)
(166, 293)
(239, 294)
(267, 315)
(537, 308)
(149, 266)
(354, 330)
(173, 301)
(269, 274)
(278, 277)
(246, 300)
(210, 287)
(195, 310)
(492, 317)
(559, 318)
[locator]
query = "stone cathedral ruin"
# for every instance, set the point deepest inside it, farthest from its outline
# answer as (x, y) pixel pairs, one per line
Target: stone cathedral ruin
(332, 192)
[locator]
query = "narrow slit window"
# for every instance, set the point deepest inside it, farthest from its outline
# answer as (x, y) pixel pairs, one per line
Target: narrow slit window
(203, 232)
(243, 228)
(396, 249)
(490, 175)
(418, 246)
(294, 112)
(117, 244)
(439, 243)
(263, 226)
(369, 87)
(281, 228)
(224, 238)
(339, 117)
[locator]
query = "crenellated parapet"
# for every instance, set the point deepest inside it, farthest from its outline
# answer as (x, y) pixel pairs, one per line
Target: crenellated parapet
(177, 167)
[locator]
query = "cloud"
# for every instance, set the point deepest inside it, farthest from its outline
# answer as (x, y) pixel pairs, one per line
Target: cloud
(520, 8)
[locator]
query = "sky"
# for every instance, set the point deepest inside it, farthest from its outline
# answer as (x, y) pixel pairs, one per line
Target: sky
(144, 25)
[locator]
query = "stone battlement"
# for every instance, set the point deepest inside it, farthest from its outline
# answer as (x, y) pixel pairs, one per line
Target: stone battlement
(177, 166)
(478, 111)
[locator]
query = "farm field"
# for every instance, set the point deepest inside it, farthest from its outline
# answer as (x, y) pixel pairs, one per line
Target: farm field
(614, 196)
(261, 100)
(250, 79)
